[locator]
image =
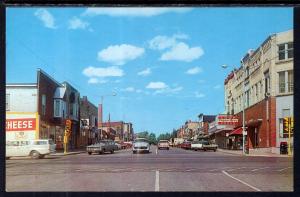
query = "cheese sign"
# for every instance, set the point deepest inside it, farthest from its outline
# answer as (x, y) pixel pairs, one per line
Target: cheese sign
(26, 124)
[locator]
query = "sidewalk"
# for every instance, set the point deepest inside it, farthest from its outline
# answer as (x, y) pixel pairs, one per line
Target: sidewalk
(70, 152)
(252, 153)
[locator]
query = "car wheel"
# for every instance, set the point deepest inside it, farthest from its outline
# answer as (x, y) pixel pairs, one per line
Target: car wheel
(35, 154)
(112, 151)
(168, 148)
(215, 150)
(134, 152)
(7, 158)
(204, 149)
(89, 153)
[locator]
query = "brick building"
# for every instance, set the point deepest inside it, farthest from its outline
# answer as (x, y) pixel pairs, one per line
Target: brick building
(263, 84)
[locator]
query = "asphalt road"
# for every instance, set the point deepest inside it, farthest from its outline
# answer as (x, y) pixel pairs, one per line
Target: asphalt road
(161, 170)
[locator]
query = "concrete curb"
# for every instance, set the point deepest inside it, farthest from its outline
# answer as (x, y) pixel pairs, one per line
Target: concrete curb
(253, 155)
(69, 153)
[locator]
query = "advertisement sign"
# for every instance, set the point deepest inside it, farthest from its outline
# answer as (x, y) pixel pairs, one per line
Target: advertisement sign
(21, 126)
(227, 120)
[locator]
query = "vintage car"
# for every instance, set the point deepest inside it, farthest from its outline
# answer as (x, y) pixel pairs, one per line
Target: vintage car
(102, 146)
(163, 144)
(186, 145)
(36, 149)
(141, 145)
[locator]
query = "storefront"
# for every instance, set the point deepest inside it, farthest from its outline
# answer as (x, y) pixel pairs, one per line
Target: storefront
(235, 139)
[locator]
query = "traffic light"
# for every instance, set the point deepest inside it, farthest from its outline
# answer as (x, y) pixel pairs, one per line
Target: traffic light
(286, 124)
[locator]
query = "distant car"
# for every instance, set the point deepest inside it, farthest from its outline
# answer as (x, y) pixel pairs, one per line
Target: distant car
(209, 146)
(197, 145)
(118, 145)
(140, 145)
(36, 149)
(163, 144)
(101, 147)
(186, 145)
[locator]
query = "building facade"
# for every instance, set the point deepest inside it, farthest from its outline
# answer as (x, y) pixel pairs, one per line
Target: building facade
(88, 122)
(48, 100)
(263, 86)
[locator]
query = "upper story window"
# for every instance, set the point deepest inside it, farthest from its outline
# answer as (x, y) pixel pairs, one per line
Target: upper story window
(285, 51)
(57, 108)
(7, 103)
(44, 104)
(286, 81)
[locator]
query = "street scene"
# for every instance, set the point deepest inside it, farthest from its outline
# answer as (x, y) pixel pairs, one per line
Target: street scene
(149, 99)
(160, 170)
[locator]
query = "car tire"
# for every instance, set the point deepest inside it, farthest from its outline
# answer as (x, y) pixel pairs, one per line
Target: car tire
(168, 148)
(134, 152)
(204, 149)
(112, 151)
(34, 154)
(215, 150)
(7, 158)
(89, 153)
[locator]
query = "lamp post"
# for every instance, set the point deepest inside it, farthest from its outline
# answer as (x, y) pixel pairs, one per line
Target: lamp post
(243, 105)
(102, 98)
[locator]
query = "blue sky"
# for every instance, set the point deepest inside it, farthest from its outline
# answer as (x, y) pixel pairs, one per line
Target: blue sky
(163, 63)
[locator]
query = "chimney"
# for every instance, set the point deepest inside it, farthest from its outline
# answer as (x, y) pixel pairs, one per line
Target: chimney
(100, 115)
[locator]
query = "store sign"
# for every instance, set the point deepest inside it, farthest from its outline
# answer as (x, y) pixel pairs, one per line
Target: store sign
(20, 124)
(227, 120)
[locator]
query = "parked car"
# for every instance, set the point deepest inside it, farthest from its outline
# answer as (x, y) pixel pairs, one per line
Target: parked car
(186, 145)
(127, 144)
(118, 145)
(36, 149)
(140, 145)
(163, 144)
(101, 147)
(197, 145)
(209, 146)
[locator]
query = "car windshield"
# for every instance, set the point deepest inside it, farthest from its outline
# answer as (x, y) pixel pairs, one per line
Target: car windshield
(163, 141)
(195, 142)
(51, 142)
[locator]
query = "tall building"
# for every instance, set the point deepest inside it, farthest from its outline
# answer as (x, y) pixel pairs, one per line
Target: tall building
(263, 84)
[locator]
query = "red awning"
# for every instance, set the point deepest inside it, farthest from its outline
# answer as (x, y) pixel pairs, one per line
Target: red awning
(238, 131)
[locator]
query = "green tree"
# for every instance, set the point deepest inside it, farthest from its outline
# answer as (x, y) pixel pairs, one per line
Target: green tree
(152, 138)
(143, 134)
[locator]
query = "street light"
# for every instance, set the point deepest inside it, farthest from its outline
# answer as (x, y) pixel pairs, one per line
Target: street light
(102, 98)
(224, 66)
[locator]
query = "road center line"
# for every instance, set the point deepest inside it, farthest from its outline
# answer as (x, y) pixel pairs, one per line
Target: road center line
(157, 181)
(283, 169)
(259, 169)
(240, 181)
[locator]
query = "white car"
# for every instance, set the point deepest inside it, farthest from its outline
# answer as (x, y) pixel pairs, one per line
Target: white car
(34, 148)
(141, 145)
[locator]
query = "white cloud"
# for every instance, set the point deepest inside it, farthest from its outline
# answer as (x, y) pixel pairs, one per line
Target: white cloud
(163, 42)
(129, 89)
(139, 91)
(217, 86)
(182, 52)
(46, 17)
(169, 90)
(120, 54)
(156, 85)
(199, 95)
(193, 71)
(76, 23)
(96, 81)
(145, 72)
(112, 71)
(132, 11)
(201, 81)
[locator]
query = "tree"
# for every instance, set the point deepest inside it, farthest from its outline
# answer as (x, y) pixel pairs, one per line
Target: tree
(143, 134)
(152, 138)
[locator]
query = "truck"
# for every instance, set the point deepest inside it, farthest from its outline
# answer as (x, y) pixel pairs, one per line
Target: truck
(203, 145)
(178, 141)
